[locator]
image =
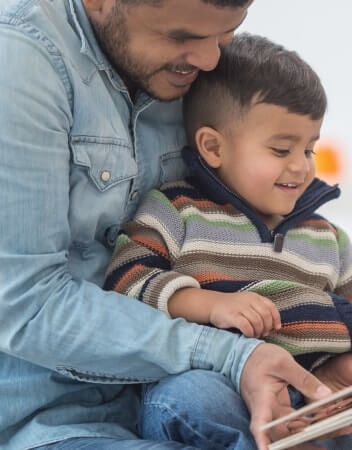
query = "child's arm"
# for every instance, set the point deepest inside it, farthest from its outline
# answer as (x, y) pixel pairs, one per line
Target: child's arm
(253, 314)
(142, 263)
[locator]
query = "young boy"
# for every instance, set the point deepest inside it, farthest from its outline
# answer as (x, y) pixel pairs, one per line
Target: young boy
(238, 244)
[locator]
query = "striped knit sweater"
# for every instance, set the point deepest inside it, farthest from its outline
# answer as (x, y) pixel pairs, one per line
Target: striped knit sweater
(196, 233)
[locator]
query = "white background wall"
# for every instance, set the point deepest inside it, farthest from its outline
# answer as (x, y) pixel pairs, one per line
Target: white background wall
(321, 32)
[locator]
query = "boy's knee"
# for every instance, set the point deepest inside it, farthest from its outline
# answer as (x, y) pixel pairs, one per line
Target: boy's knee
(197, 393)
(200, 408)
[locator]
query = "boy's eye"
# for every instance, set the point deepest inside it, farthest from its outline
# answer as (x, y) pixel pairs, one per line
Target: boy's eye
(280, 151)
(179, 40)
(309, 153)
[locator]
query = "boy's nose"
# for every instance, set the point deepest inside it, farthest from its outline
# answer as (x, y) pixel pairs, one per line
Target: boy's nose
(300, 163)
(204, 53)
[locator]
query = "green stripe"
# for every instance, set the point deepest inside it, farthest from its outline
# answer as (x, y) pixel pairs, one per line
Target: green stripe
(343, 239)
(296, 350)
(121, 241)
(323, 242)
(272, 286)
(194, 217)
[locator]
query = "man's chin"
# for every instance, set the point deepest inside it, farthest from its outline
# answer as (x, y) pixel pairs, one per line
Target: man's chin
(167, 95)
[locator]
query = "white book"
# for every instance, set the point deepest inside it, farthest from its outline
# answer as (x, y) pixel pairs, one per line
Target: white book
(315, 420)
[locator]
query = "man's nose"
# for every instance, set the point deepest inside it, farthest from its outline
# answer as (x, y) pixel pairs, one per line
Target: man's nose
(204, 53)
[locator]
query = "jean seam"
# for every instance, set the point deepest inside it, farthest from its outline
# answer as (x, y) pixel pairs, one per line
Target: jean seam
(173, 414)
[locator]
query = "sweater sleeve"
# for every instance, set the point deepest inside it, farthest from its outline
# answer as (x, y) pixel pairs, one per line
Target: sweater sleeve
(315, 323)
(344, 283)
(142, 263)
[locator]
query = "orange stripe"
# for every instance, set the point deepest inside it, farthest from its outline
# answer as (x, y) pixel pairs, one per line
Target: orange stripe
(151, 244)
(204, 277)
(321, 222)
(119, 286)
(324, 326)
(181, 200)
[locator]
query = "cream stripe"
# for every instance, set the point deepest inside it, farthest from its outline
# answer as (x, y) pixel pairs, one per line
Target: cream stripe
(241, 219)
(260, 251)
(346, 277)
(171, 244)
(314, 234)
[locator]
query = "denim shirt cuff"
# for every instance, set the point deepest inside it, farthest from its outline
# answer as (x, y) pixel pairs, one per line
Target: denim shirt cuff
(224, 352)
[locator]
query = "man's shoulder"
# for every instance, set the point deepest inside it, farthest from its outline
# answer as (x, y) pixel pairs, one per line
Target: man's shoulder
(21, 11)
(45, 23)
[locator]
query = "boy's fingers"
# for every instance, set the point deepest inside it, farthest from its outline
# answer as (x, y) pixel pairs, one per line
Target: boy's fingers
(243, 324)
(255, 320)
(277, 318)
(265, 310)
(274, 313)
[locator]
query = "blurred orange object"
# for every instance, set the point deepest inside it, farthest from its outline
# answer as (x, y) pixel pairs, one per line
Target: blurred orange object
(328, 161)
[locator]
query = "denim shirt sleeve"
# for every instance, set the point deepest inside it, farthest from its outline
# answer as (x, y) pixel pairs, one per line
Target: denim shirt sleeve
(48, 316)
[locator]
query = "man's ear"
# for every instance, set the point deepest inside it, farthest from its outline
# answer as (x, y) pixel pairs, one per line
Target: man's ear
(209, 142)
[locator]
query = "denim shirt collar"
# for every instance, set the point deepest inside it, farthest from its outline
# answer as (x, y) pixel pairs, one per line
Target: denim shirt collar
(89, 46)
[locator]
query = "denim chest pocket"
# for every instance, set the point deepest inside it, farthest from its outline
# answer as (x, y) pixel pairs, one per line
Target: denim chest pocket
(102, 171)
(172, 167)
(108, 161)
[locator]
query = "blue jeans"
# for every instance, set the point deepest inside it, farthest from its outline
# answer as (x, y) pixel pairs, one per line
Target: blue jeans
(201, 408)
(196, 410)
(113, 444)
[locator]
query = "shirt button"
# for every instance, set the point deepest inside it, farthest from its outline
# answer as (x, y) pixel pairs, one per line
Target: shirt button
(134, 195)
(105, 176)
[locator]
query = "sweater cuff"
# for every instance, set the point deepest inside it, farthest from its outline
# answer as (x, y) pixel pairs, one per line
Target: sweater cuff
(170, 288)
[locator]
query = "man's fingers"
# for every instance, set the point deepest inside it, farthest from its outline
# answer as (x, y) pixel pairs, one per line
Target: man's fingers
(303, 380)
(267, 407)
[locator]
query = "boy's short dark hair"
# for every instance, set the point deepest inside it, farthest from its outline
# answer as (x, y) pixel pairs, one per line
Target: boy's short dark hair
(252, 68)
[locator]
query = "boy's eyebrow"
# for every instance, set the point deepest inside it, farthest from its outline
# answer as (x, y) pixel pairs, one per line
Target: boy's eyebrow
(292, 137)
(183, 34)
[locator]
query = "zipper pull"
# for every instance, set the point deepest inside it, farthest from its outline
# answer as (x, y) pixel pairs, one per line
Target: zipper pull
(278, 242)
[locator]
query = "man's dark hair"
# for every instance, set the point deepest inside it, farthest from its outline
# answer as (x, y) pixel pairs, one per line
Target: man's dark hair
(252, 68)
(220, 3)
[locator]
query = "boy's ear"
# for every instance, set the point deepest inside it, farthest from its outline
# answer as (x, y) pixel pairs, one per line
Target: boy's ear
(208, 143)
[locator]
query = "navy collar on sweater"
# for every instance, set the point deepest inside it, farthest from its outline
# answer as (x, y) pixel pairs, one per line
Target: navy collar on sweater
(206, 179)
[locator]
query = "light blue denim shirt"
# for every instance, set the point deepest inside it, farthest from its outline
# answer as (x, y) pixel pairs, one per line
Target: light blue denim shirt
(75, 157)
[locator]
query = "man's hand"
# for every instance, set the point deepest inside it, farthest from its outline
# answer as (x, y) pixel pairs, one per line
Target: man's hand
(266, 374)
(253, 314)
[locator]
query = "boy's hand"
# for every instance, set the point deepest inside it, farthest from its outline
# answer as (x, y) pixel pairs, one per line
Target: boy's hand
(254, 315)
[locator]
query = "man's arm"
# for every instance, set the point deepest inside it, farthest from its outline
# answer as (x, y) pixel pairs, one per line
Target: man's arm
(49, 317)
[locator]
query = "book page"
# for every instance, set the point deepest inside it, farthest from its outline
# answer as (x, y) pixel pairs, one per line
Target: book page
(315, 420)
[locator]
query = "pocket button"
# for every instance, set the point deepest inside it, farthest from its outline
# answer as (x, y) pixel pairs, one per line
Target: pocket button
(105, 175)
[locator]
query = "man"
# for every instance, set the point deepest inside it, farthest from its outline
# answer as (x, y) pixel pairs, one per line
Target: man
(91, 119)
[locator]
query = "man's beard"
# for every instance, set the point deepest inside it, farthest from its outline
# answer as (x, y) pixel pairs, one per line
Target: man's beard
(113, 39)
